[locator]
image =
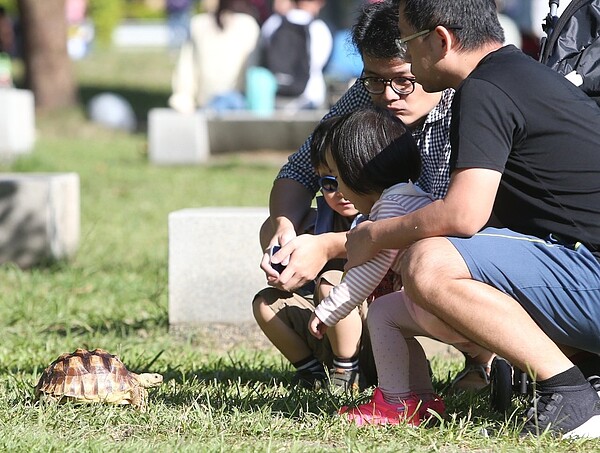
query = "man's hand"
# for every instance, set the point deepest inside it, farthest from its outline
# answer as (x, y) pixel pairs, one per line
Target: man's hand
(303, 256)
(316, 327)
(360, 246)
(284, 234)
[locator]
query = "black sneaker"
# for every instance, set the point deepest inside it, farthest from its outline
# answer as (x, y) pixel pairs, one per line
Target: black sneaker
(310, 380)
(572, 411)
(346, 380)
(595, 383)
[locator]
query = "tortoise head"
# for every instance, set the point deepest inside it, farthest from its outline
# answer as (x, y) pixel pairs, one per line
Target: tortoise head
(149, 379)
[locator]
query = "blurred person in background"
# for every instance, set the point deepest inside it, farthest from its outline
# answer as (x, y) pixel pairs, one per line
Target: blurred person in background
(512, 34)
(80, 28)
(320, 43)
(211, 68)
(282, 7)
(7, 47)
(262, 9)
(178, 21)
(7, 35)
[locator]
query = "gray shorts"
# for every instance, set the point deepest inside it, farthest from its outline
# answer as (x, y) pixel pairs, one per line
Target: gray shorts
(557, 284)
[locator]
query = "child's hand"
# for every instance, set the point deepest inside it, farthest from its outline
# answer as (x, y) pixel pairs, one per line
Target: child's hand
(316, 327)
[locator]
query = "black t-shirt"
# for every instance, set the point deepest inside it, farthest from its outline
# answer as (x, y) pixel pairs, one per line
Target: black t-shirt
(519, 117)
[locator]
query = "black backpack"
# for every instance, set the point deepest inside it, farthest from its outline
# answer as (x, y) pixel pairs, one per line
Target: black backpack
(573, 44)
(287, 56)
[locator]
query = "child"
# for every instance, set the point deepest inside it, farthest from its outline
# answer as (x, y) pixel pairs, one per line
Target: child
(283, 316)
(375, 159)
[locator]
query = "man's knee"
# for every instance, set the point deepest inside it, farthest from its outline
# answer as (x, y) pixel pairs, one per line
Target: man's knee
(430, 262)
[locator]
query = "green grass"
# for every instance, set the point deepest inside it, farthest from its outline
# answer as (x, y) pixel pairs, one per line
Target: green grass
(218, 395)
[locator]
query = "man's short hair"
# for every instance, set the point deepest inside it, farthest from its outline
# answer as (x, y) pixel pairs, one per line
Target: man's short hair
(376, 29)
(477, 19)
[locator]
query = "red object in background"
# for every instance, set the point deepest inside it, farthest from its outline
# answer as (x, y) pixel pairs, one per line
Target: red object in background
(75, 11)
(531, 45)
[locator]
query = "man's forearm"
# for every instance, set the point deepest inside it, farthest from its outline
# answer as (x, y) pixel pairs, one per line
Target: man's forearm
(436, 219)
(289, 200)
(334, 244)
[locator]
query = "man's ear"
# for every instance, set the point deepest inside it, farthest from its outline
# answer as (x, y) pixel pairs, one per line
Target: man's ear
(444, 40)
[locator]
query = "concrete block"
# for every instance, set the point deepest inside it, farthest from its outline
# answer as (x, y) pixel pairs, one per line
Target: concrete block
(177, 139)
(39, 217)
(17, 123)
(247, 131)
(214, 273)
(214, 259)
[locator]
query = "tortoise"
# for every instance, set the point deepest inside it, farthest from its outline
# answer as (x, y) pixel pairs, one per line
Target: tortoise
(95, 376)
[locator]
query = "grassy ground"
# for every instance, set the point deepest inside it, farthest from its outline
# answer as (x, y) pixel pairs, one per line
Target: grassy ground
(220, 394)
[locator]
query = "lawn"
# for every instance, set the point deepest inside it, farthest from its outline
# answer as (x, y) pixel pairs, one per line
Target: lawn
(220, 393)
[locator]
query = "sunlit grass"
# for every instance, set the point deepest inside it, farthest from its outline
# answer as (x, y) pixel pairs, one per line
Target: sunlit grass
(219, 394)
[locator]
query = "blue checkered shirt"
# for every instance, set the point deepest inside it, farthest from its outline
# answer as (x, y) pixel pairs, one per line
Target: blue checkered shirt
(432, 139)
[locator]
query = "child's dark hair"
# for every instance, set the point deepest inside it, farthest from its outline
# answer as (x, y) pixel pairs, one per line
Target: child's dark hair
(319, 141)
(373, 150)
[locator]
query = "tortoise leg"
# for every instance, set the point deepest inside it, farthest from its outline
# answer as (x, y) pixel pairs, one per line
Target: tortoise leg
(139, 397)
(49, 398)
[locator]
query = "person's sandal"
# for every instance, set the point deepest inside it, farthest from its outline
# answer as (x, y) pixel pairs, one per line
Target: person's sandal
(472, 378)
(344, 380)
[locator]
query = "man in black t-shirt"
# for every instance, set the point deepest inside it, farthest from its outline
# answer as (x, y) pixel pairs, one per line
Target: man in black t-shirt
(514, 245)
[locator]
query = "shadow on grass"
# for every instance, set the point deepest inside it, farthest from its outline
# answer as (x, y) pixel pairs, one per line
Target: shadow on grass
(141, 100)
(272, 392)
(228, 390)
(115, 327)
(226, 370)
(229, 387)
(237, 162)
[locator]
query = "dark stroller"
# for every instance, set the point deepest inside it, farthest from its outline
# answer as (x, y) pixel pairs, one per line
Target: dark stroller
(504, 382)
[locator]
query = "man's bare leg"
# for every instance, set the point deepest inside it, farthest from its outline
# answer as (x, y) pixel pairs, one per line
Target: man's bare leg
(436, 277)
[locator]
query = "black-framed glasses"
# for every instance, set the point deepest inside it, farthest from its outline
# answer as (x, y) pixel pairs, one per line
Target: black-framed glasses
(400, 85)
(328, 183)
(401, 42)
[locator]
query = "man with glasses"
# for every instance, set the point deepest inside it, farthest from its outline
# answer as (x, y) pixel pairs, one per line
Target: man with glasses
(386, 81)
(510, 258)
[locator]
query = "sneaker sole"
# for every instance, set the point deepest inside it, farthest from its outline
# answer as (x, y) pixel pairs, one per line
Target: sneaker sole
(590, 429)
(361, 422)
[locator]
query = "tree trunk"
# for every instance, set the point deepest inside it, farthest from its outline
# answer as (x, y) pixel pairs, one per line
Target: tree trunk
(48, 69)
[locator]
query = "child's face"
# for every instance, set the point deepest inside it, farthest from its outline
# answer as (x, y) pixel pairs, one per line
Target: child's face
(363, 203)
(335, 199)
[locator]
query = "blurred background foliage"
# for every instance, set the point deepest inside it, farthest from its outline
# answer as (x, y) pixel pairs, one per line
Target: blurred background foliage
(107, 14)
(122, 9)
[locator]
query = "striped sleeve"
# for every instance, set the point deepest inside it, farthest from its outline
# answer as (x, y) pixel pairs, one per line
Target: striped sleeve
(359, 282)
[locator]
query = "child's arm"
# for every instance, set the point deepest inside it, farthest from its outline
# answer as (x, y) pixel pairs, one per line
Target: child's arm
(362, 280)
(359, 282)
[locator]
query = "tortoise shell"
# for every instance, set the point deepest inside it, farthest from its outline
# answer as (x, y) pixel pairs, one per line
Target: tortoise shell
(95, 376)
